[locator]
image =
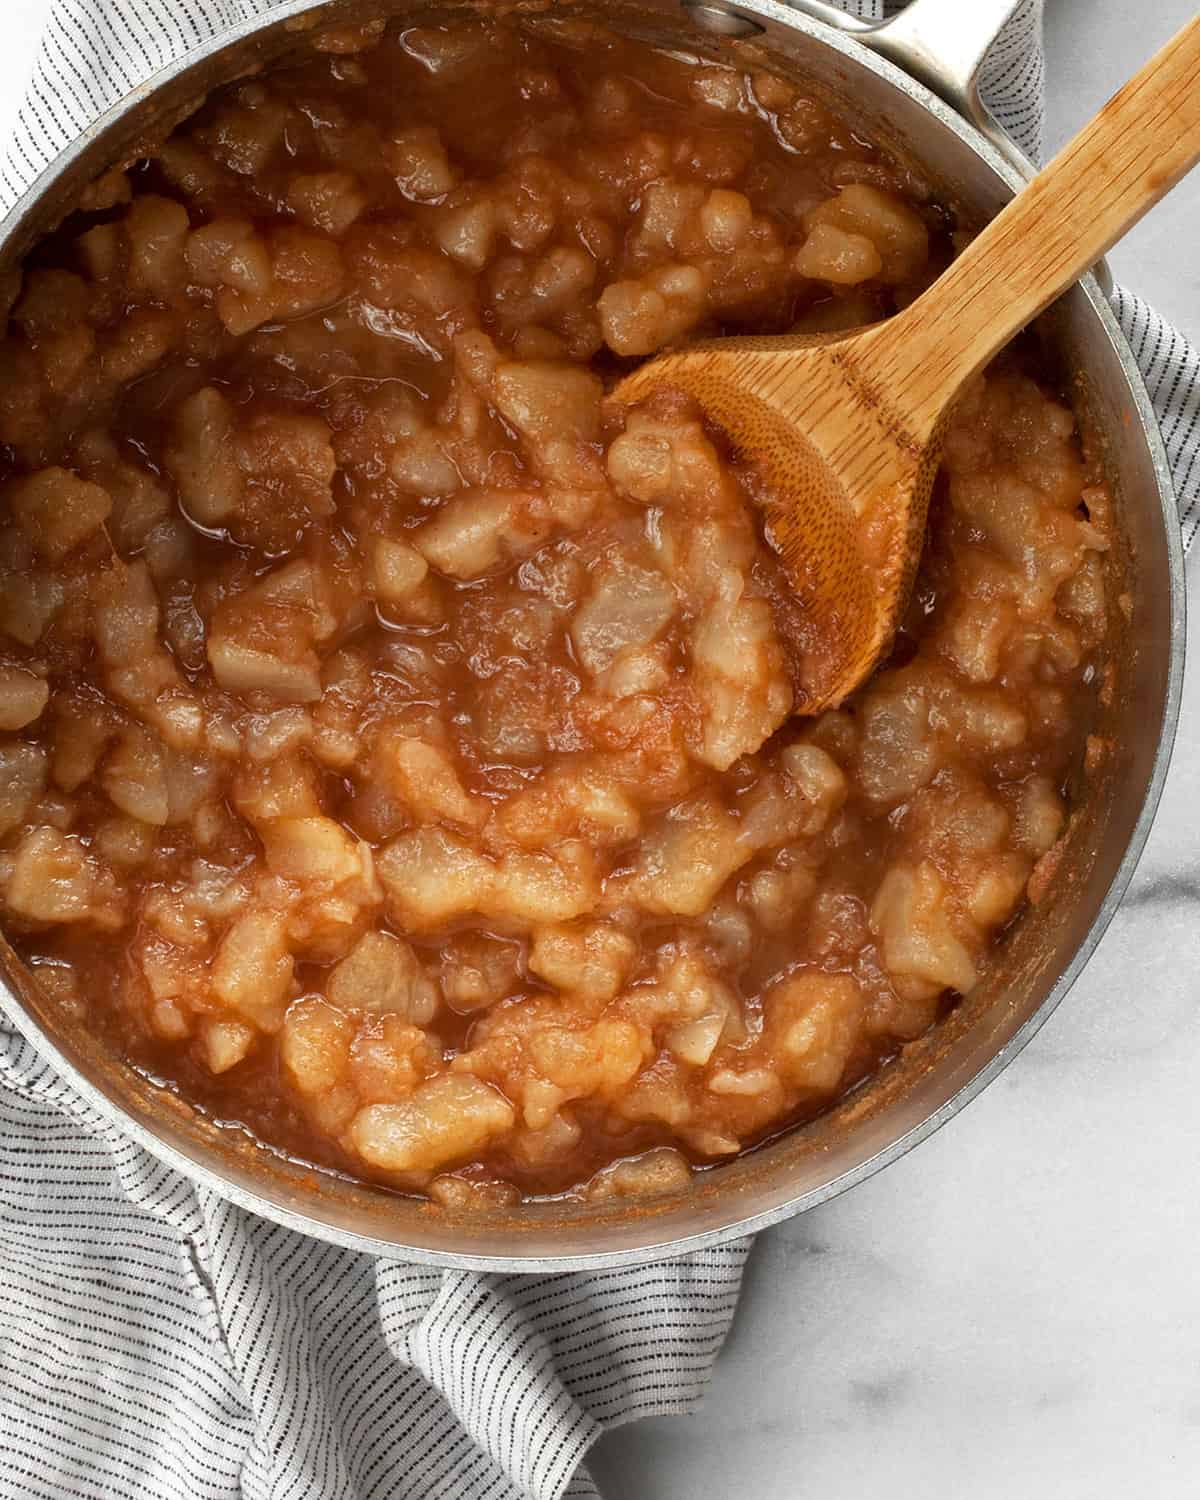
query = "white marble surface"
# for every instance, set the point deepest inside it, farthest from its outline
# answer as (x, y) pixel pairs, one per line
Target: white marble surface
(1011, 1310)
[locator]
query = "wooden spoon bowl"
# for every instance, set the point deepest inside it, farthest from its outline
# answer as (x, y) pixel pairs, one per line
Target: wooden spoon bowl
(845, 429)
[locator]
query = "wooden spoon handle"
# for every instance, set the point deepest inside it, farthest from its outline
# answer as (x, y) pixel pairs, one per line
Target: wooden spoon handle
(1118, 166)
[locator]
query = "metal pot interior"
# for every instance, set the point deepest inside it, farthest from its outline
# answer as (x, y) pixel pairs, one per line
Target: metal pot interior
(1044, 950)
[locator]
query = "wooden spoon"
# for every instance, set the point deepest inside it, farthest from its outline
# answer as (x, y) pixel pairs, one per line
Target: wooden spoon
(846, 429)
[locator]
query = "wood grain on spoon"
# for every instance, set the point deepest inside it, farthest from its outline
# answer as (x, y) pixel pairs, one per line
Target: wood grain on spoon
(846, 429)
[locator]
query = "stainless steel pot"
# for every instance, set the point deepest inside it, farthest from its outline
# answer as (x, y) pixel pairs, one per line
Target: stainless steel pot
(912, 82)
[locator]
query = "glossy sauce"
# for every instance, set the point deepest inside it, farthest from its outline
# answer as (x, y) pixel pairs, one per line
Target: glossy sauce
(397, 753)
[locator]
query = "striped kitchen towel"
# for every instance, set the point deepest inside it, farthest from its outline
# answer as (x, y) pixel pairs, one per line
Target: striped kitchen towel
(157, 1343)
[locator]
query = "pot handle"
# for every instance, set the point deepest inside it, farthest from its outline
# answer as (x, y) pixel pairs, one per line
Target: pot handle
(942, 44)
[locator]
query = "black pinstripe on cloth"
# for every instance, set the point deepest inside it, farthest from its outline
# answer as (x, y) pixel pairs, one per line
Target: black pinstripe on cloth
(157, 1343)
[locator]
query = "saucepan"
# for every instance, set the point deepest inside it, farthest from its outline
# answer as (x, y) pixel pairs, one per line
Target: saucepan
(912, 83)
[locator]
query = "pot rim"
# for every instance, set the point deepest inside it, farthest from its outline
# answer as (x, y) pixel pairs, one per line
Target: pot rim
(201, 1173)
